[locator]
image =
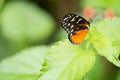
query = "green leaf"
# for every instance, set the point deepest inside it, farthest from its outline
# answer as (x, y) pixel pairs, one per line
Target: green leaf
(24, 22)
(118, 75)
(25, 65)
(98, 71)
(106, 39)
(68, 62)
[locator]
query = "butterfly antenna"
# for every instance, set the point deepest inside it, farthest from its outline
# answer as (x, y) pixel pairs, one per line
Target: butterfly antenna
(101, 11)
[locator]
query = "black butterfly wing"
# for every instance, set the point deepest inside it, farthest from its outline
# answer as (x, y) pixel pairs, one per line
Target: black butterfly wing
(73, 23)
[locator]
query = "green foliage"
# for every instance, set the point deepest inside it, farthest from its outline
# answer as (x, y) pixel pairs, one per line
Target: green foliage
(118, 76)
(63, 60)
(105, 38)
(97, 72)
(25, 65)
(24, 22)
(68, 62)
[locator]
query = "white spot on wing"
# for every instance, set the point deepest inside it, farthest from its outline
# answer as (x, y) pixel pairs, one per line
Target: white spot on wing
(73, 19)
(71, 26)
(78, 20)
(65, 18)
(68, 24)
(77, 16)
(70, 34)
(72, 30)
(87, 26)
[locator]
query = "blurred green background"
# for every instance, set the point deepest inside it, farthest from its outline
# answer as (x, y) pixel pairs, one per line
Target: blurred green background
(26, 23)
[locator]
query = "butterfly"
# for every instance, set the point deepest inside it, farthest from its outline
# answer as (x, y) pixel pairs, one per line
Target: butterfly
(76, 26)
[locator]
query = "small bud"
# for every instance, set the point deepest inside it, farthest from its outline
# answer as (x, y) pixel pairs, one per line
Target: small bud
(88, 12)
(109, 13)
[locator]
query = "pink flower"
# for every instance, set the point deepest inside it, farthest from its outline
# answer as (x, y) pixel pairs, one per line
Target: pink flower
(109, 13)
(88, 12)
